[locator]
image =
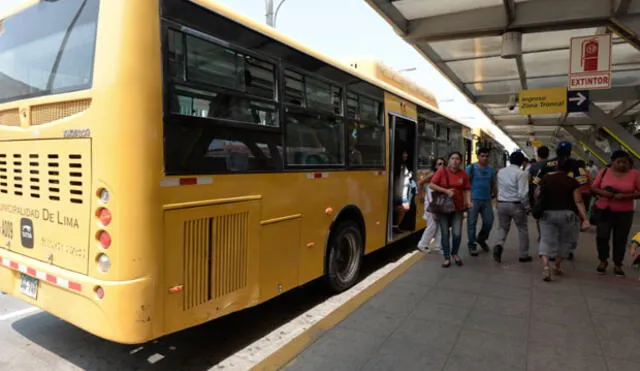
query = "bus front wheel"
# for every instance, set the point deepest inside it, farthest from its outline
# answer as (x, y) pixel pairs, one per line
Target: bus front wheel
(344, 256)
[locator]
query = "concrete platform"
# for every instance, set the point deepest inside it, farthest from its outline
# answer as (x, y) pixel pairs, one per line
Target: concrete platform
(485, 316)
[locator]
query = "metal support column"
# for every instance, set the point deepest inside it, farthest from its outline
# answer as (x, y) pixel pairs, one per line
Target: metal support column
(585, 141)
(617, 131)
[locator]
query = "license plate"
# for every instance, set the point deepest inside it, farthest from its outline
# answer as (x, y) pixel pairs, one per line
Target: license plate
(29, 286)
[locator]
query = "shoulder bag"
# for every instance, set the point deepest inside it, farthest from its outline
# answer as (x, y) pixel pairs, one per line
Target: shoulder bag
(441, 203)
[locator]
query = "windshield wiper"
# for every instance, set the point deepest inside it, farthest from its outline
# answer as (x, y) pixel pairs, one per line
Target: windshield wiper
(63, 46)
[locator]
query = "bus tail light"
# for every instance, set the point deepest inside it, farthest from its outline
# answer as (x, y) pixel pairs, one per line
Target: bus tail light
(105, 239)
(104, 215)
(104, 263)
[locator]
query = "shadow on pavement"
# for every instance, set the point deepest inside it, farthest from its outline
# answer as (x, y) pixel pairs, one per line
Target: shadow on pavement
(197, 348)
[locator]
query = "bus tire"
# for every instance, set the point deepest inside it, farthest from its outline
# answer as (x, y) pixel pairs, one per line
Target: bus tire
(344, 256)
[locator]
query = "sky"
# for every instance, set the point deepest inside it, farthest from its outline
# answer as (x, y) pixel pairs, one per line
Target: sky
(348, 29)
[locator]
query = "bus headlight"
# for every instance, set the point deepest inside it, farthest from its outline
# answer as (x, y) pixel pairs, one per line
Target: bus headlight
(104, 263)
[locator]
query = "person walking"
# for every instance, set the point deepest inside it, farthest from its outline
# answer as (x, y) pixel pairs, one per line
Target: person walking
(405, 190)
(616, 188)
(543, 157)
(559, 204)
(454, 182)
(585, 189)
(526, 165)
(513, 204)
(482, 178)
(431, 234)
(563, 156)
(534, 170)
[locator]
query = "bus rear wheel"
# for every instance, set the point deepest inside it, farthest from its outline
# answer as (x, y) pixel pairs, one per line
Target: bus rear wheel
(344, 256)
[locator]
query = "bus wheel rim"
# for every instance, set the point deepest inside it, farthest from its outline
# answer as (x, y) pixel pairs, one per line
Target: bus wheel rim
(348, 252)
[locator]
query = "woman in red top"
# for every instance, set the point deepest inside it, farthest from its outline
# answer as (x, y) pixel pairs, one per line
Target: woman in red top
(617, 187)
(453, 181)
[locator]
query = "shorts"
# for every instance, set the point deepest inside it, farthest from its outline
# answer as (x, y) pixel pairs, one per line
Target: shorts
(559, 231)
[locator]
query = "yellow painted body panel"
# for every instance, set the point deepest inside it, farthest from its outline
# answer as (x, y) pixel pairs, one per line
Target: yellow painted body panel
(123, 124)
(290, 235)
(163, 278)
(400, 106)
(379, 71)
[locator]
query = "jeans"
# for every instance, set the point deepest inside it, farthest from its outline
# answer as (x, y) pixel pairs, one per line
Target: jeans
(616, 225)
(485, 209)
(451, 221)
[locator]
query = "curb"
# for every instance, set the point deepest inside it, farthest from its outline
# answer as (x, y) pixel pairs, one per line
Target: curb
(288, 352)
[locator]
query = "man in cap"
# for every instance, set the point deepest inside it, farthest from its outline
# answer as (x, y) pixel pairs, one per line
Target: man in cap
(563, 154)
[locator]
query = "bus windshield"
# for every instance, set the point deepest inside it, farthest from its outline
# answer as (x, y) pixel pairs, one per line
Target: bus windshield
(48, 48)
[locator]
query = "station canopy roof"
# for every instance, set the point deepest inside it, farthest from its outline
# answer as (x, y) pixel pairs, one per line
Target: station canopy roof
(463, 39)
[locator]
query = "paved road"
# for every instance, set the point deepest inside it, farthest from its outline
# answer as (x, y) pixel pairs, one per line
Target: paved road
(32, 339)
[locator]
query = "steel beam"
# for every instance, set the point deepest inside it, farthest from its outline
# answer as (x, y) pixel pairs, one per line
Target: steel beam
(510, 9)
(609, 95)
(623, 7)
(615, 130)
(561, 121)
(530, 16)
(628, 27)
(523, 129)
(574, 121)
(391, 14)
(624, 107)
(585, 141)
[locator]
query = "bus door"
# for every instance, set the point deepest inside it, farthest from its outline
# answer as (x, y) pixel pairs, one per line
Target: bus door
(403, 137)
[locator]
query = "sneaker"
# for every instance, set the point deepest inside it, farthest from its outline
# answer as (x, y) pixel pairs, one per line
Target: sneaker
(558, 271)
(484, 246)
(602, 267)
(617, 270)
(472, 250)
(546, 274)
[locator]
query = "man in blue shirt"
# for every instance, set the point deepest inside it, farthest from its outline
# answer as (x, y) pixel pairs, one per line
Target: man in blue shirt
(482, 177)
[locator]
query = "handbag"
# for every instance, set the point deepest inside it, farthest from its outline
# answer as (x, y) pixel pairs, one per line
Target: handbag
(441, 203)
(598, 214)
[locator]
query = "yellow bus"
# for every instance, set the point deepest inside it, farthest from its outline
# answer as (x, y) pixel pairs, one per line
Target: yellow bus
(167, 162)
